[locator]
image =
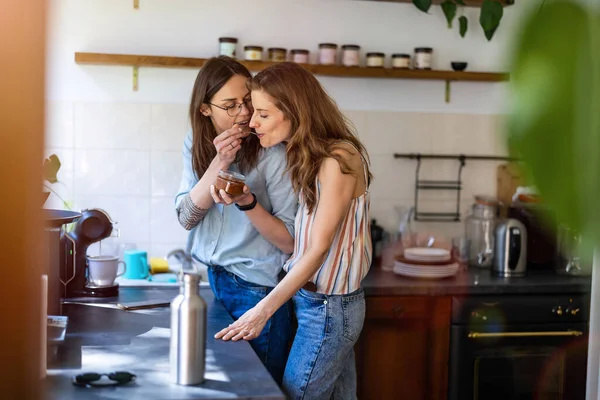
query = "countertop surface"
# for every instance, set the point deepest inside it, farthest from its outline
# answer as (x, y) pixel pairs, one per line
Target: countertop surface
(473, 281)
(104, 340)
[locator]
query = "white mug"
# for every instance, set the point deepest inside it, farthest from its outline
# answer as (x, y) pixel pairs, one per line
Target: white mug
(103, 270)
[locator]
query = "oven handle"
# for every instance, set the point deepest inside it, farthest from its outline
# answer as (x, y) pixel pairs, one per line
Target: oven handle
(483, 335)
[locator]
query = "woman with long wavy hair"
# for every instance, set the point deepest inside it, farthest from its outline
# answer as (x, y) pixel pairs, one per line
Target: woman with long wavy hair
(244, 246)
(332, 252)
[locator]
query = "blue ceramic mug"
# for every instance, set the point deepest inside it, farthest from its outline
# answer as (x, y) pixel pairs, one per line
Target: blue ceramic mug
(136, 262)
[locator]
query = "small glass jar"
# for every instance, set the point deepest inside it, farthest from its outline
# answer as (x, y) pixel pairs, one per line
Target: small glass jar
(350, 55)
(401, 61)
(327, 53)
(253, 53)
(300, 56)
(423, 57)
(231, 182)
(277, 54)
(227, 46)
(375, 59)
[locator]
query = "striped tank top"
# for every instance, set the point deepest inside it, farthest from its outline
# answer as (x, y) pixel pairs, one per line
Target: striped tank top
(349, 257)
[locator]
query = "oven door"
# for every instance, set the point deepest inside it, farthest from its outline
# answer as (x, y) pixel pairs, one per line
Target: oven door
(521, 362)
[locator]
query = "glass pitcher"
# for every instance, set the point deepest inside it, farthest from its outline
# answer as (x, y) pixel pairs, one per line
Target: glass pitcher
(480, 225)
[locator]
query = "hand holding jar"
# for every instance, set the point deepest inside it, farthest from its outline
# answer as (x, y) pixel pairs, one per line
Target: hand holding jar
(230, 188)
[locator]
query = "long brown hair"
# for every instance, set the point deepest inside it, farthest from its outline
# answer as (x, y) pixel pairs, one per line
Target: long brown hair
(317, 124)
(212, 77)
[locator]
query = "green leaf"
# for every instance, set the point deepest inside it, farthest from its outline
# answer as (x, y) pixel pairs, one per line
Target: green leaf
(490, 16)
(422, 5)
(51, 167)
(449, 9)
(461, 2)
(554, 123)
(463, 25)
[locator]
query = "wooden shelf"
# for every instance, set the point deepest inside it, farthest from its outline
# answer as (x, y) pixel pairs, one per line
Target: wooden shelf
(468, 3)
(324, 70)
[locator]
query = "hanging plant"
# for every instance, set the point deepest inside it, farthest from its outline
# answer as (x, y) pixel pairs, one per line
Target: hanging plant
(489, 17)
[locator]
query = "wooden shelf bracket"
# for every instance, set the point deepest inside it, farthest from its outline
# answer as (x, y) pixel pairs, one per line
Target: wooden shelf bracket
(135, 78)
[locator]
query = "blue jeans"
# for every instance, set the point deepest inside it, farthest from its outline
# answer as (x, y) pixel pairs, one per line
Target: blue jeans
(238, 296)
(321, 361)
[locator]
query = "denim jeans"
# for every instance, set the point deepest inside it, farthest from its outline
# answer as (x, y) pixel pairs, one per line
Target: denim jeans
(238, 296)
(321, 361)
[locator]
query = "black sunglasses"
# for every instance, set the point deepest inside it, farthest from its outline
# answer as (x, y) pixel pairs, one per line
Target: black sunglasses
(94, 379)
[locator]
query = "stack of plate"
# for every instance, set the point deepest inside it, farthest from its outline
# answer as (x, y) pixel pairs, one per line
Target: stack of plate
(426, 262)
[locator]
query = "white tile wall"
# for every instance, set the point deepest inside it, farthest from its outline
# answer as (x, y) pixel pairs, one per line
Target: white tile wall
(112, 126)
(165, 169)
(112, 172)
(169, 126)
(164, 227)
(126, 159)
(59, 124)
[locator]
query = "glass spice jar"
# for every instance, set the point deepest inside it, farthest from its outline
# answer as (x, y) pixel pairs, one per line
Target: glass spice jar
(401, 61)
(277, 54)
(423, 57)
(350, 55)
(253, 53)
(227, 46)
(231, 182)
(300, 56)
(375, 59)
(327, 53)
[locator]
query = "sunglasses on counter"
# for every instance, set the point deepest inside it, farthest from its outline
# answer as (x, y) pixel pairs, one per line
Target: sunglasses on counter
(94, 379)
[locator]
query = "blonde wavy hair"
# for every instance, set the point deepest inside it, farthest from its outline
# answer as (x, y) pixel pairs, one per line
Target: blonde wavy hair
(317, 124)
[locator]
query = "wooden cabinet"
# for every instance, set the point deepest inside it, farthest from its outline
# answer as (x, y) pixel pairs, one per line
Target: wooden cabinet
(403, 349)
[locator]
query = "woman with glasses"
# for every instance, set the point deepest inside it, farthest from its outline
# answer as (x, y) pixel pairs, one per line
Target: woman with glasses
(244, 244)
(332, 254)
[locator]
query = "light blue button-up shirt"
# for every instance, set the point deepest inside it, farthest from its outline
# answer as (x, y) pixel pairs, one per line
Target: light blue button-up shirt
(226, 237)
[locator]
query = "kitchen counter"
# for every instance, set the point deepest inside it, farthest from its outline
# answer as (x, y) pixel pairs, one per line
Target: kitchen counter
(472, 282)
(104, 340)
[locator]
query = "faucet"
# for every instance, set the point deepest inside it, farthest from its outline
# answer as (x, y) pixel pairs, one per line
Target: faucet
(187, 264)
(183, 257)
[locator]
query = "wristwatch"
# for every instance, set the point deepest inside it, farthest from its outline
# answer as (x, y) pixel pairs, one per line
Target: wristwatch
(247, 207)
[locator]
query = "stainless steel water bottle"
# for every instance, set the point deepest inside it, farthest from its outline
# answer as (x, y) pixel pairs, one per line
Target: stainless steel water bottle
(188, 333)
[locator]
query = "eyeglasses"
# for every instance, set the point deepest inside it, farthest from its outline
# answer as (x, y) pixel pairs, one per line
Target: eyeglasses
(94, 379)
(236, 108)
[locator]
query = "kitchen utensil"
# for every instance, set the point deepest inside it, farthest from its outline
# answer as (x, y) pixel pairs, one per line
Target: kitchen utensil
(53, 222)
(419, 271)
(426, 254)
(187, 354)
(542, 229)
(458, 65)
(511, 248)
(137, 264)
(94, 225)
(570, 247)
(103, 270)
(480, 226)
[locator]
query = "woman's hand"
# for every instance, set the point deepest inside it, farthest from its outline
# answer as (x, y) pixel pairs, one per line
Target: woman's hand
(247, 327)
(228, 143)
(221, 196)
